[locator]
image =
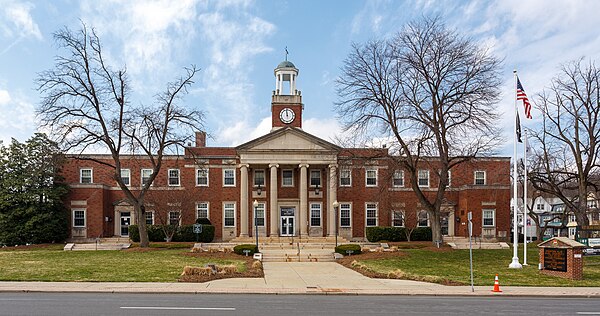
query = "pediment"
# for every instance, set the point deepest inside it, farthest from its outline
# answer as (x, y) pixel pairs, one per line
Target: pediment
(288, 139)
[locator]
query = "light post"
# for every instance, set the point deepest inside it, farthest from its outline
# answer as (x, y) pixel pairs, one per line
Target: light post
(255, 203)
(335, 209)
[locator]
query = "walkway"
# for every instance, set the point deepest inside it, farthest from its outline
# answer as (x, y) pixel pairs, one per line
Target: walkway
(298, 278)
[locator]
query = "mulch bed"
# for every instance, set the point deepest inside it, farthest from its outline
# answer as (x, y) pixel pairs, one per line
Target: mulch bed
(249, 273)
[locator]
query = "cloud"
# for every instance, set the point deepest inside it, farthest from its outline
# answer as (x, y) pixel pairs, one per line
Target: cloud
(16, 20)
(17, 117)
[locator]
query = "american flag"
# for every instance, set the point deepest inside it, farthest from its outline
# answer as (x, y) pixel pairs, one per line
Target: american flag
(522, 96)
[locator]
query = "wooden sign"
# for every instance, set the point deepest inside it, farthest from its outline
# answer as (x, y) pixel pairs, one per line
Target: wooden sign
(555, 259)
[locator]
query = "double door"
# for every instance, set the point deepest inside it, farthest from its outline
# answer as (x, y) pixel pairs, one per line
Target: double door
(287, 221)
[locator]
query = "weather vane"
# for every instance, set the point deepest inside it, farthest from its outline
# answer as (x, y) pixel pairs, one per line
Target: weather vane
(286, 53)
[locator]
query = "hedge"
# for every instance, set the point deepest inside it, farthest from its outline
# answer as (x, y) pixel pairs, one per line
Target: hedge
(342, 249)
(184, 233)
(386, 233)
(239, 249)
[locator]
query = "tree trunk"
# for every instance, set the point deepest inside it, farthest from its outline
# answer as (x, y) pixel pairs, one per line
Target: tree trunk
(140, 217)
(436, 227)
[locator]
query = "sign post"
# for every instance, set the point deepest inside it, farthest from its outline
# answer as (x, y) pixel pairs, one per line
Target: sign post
(197, 230)
(470, 217)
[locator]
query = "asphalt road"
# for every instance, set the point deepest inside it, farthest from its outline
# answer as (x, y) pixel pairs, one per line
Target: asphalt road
(254, 304)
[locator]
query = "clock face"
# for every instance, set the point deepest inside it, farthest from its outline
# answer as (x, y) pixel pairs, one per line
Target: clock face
(287, 115)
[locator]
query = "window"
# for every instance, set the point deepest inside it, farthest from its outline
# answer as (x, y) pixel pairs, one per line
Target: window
(479, 177)
(173, 177)
(85, 176)
(229, 213)
(371, 212)
(398, 180)
(489, 217)
(259, 214)
(259, 178)
(315, 214)
(146, 173)
(78, 218)
(228, 177)
(202, 210)
(540, 207)
(423, 219)
(572, 218)
(126, 176)
(371, 177)
(202, 177)
(449, 178)
(315, 178)
(345, 211)
(398, 218)
(149, 218)
(287, 178)
(424, 178)
(174, 217)
(345, 177)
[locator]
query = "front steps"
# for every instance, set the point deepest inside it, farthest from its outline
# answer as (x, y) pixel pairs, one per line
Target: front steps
(113, 243)
(463, 243)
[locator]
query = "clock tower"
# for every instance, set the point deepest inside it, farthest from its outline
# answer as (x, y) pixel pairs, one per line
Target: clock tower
(286, 102)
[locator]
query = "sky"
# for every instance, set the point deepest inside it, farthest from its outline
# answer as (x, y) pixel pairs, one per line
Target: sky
(237, 44)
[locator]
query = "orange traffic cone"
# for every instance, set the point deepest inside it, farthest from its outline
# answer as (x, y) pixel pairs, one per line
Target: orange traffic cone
(496, 285)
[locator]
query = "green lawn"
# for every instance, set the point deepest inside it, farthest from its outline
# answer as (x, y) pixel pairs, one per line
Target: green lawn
(54, 264)
(454, 265)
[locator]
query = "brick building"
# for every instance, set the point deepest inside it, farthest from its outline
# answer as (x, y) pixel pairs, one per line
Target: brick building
(290, 180)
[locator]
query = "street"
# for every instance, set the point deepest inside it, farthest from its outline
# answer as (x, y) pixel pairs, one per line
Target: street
(255, 304)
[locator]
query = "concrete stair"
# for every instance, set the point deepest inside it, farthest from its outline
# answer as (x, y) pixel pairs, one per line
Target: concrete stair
(95, 246)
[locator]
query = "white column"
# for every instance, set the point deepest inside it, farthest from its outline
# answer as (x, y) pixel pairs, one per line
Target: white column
(244, 201)
(273, 200)
(303, 211)
(332, 198)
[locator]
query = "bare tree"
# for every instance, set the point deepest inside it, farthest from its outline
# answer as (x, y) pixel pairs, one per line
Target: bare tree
(170, 208)
(430, 90)
(86, 105)
(566, 150)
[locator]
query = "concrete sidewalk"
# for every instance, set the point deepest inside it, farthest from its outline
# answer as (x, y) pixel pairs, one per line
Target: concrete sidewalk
(299, 278)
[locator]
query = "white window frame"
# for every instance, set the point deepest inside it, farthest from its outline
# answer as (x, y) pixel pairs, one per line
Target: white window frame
(349, 171)
(367, 217)
(225, 204)
(128, 176)
(475, 177)
(225, 170)
(169, 178)
(343, 205)
(91, 170)
(425, 172)
(254, 178)
(84, 217)
(142, 176)
(394, 178)
(367, 177)
(261, 206)
(198, 184)
(151, 217)
(320, 206)
(283, 184)
(419, 220)
(207, 209)
(311, 178)
(179, 217)
(403, 219)
(540, 206)
(483, 218)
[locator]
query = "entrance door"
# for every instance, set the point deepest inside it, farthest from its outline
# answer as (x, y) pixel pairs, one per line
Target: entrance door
(287, 221)
(444, 224)
(125, 222)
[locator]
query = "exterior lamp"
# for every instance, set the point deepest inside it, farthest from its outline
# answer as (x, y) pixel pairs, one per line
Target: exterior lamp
(258, 190)
(317, 189)
(255, 203)
(336, 204)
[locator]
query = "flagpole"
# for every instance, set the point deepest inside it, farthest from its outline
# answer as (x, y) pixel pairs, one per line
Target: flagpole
(515, 260)
(525, 204)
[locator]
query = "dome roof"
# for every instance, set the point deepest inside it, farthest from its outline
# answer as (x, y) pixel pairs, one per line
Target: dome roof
(286, 64)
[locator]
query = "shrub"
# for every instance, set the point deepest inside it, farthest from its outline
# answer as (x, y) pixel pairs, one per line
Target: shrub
(421, 234)
(239, 249)
(184, 233)
(341, 249)
(379, 233)
(203, 221)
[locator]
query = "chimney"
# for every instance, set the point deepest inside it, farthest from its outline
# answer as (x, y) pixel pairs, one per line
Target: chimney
(201, 139)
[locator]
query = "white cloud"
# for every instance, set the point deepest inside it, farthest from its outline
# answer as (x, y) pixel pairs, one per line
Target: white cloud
(17, 119)
(325, 128)
(241, 132)
(16, 19)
